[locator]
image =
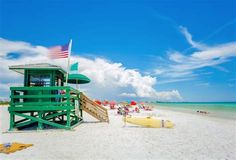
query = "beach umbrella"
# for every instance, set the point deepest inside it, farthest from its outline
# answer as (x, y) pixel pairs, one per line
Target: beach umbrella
(105, 102)
(133, 103)
(112, 104)
(98, 102)
(78, 79)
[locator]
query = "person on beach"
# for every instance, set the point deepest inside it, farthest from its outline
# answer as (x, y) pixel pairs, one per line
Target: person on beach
(204, 112)
(126, 110)
(136, 109)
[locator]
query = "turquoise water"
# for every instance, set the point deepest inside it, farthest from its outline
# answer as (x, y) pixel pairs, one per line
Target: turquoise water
(216, 109)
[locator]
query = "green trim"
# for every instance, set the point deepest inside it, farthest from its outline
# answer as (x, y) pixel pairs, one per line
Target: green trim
(40, 124)
(40, 96)
(41, 103)
(22, 70)
(41, 88)
(55, 115)
(24, 124)
(48, 117)
(39, 120)
(40, 108)
(12, 121)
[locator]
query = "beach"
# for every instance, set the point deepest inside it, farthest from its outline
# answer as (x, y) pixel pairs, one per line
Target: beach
(195, 136)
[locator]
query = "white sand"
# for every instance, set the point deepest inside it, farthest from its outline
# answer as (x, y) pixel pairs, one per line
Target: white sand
(194, 137)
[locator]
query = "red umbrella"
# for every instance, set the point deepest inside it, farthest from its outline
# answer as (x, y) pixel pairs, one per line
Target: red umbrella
(98, 102)
(105, 102)
(112, 104)
(133, 103)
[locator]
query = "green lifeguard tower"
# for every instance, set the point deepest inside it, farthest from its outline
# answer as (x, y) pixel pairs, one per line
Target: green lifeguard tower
(46, 102)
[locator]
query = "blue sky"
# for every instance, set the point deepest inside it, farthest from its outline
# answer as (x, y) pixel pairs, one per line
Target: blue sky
(149, 37)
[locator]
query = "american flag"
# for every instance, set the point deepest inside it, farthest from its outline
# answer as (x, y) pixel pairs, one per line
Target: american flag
(59, 51)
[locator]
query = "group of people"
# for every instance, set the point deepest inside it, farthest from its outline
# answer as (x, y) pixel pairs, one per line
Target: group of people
(128, 108)
(124, 108)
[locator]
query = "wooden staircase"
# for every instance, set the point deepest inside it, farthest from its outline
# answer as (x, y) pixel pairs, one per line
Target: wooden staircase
(94, 109)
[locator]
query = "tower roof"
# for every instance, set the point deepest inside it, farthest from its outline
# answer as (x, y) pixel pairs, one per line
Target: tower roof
(37, 66)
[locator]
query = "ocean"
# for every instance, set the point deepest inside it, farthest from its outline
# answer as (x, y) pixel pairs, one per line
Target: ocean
(216, 109)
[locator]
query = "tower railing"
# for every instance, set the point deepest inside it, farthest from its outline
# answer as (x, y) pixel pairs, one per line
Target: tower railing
(54, 106)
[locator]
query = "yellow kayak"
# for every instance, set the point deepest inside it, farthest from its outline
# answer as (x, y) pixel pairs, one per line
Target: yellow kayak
(149, 122)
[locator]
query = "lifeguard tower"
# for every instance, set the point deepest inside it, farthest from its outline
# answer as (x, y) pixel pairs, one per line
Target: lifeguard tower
(46, 102)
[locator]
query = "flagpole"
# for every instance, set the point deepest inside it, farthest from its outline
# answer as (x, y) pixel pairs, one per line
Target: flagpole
(68, 63)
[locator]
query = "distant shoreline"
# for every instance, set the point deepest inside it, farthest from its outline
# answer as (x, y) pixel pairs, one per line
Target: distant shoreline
(217, 110)
(197, 102)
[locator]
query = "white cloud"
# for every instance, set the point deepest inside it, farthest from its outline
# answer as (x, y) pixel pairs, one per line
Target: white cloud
(106, 74)
(174, 80)
(188, 37)
(27, 49)
(169, 96)
(181, 66)
(128, 95)
(219, 51)
(109, 79)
